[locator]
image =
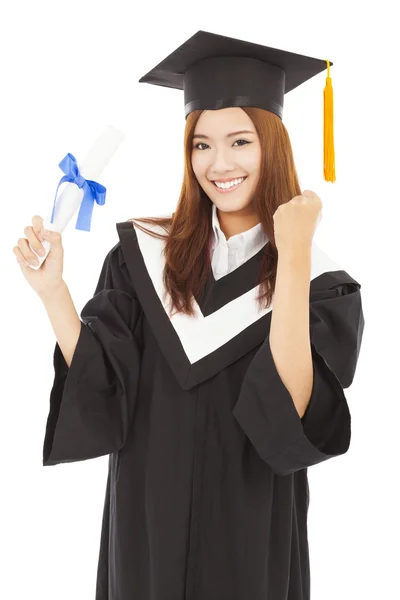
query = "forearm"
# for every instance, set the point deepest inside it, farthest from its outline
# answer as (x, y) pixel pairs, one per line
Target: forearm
(64, 320)
(290, 330)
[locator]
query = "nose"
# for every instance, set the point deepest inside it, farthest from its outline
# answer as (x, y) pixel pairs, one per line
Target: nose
(222, 162)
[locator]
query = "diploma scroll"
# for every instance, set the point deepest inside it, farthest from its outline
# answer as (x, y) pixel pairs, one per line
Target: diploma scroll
(69, 201)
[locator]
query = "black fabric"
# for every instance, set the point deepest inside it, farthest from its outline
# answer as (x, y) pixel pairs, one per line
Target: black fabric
(207, 493)
(232, 285)
(265, 408)
(98, 390)
(216, 71)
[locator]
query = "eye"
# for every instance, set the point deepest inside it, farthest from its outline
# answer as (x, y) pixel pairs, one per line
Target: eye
(196, 147)
(199, 144)
(245, 141)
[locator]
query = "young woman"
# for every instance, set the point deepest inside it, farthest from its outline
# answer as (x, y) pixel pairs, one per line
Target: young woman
(210, 365)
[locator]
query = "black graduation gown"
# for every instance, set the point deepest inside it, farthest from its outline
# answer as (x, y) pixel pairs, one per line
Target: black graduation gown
(207, 492)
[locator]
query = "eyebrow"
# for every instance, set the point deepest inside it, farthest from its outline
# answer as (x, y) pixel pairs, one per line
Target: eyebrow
(205, 137)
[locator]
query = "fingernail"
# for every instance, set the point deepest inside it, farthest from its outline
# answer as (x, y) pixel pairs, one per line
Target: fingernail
(34, 261)
(41, 252)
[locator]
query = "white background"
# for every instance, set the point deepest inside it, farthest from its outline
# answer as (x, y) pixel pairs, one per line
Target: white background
(70, 68)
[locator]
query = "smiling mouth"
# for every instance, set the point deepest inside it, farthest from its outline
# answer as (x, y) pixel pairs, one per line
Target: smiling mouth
(232, 187)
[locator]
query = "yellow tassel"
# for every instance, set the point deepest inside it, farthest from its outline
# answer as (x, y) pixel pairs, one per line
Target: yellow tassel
(329, 148)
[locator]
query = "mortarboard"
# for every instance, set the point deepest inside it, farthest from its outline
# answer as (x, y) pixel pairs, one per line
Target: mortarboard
(215, 71)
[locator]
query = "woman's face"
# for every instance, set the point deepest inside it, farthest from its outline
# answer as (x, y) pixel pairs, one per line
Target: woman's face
(217, 155)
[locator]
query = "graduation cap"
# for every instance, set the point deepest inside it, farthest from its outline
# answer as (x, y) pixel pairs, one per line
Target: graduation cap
(215, 71)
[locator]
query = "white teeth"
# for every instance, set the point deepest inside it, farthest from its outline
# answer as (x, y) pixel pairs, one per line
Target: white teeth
(229, 184)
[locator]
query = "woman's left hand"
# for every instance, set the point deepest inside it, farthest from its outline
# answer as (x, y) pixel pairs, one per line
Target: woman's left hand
(295, 222)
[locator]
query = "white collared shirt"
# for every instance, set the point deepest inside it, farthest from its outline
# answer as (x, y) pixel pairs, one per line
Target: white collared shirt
(228, 255)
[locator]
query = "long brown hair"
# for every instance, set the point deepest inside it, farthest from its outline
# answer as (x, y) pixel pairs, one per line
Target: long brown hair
(188, 231)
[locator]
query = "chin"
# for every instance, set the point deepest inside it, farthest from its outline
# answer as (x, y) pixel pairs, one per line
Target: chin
(229, 205)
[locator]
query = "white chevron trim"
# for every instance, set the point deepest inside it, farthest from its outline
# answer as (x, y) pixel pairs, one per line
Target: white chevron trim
(199, 335)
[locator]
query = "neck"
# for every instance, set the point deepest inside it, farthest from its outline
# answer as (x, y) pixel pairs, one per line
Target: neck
(232, 223)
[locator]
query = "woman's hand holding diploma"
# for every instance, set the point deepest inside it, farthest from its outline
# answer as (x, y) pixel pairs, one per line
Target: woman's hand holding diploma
(80, 194)
(46, 276)
(49, 277)
(48, 283)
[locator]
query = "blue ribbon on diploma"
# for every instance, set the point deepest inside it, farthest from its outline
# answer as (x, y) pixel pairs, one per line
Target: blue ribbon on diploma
(93, 192)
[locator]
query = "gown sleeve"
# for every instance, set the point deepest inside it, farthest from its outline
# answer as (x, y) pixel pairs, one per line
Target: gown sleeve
(92, 402)
(265, 409)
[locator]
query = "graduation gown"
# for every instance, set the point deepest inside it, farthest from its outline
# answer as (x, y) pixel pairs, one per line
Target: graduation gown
(207, 492)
